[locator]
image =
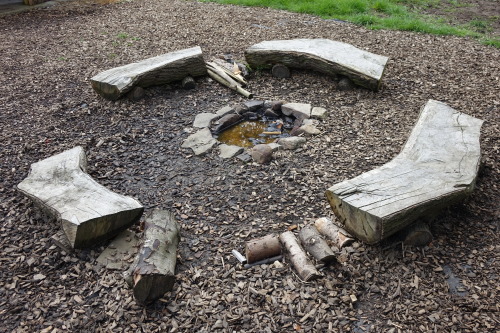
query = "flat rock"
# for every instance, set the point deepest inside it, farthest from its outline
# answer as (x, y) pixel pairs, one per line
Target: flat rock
(298, 110)
(262, 153)
(204, 119)
(292, 142)
(224, 111)
(254, 105)
(309, 130)
(121, 251)
(274, 146)
(319, 113)
(88, 212)
(227, 121)
(200, 142)
(229, 151)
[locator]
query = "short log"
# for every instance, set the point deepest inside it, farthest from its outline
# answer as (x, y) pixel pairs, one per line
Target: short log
(262, 248)
(315, 245)
(418, 234)
(153, 271)
(322, 55)
(336, 234)
(298, 257)
(280, 71)
(88, 212)
(188, 83)
(166, 68)
(436, 168)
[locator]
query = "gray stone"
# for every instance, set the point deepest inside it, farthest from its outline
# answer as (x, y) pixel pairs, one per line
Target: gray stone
(224, 111)
(227, 121)
(254, 105)
(292, 142)
(309, 122)
(276, 105)
(251, 116)
(122, 248)
(245, 157)
(228, 151)
(298, 110)
(309, 130)
(203, 120)
(270, 113)
(319, 113)
(200, 142)
(274, 146)
(262, 154)
(241, 108)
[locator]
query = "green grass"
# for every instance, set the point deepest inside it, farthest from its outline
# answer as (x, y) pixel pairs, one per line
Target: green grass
(379, 14)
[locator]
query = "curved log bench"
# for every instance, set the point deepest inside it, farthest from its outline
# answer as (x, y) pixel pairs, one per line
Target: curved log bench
(437, 167)
(88, 212)
(170, 67)
(322, 55)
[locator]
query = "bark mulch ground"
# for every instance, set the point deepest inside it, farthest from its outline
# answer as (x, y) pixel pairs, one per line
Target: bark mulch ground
(47, 106)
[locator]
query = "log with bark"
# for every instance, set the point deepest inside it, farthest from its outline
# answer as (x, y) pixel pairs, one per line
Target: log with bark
(166, 68)
(88, 212)
(336, 234)
(262, 248)
(298, 257)
(153, 272)
(315, 245)
(436, 168)
(280, 71)
(418, 234)
(322, 55)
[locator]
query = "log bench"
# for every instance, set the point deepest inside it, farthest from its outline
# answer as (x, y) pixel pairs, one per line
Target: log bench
(170, 67)
(437, 167)
(88, 212)
(322, 55)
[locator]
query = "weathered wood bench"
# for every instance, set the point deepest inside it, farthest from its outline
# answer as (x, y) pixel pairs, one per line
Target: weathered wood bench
(437, 167)
(322, 55)
(170, 67)
(88, 212)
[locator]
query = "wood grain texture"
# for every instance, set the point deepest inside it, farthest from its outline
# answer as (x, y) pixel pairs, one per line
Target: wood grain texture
(153, 270)
(315, 245)
(322, 55)
(88, 212)
(298, 257)
(170, 67)
(437, 167)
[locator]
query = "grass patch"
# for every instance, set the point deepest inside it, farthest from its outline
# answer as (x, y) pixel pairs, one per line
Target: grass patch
(379, 14)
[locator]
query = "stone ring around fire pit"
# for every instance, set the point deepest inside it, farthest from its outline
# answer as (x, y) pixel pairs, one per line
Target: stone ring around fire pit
(260, 127)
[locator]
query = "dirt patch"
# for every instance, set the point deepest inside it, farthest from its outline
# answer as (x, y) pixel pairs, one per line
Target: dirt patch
(48, 106)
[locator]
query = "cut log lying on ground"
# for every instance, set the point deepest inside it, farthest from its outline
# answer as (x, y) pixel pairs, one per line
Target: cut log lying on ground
(262, 248)
(166, 68)
(315, 245)
(223, 77)
(298, 257)
(437, 167)
(280, 71)
(336, 234)
(418, 234)
(322, 55)
(153, 272)
(88, 212)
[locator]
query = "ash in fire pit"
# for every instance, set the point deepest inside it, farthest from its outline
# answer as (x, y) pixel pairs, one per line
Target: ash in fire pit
(254, 123)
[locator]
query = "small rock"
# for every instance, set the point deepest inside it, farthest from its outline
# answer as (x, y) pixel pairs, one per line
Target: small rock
(224, 111)
(241, 109)
(228, 151)
(136, 94)
(309, 122)
(251, 116)
(262, 154)
(245, 157)
(292, 142)
(319, 113)
(200, 142)
(203, 120)
(254, 105)
(274, 146)
(298, 110)
(346, 84)
(308, 130)
(38, 277)
(269, 113)
(277, 264)
(276, 105)
(227, 121)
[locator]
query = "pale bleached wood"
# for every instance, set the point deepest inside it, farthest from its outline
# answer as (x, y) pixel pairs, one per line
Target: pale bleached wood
(437, 167)
(298, 257)
(322, 55)
(336, 234)
(88, 212)
(165, 68)
(315, 245)
(153, 272)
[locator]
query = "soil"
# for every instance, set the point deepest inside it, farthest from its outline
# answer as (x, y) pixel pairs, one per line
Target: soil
(133, 148)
